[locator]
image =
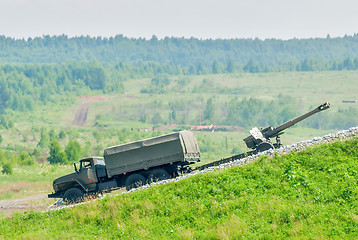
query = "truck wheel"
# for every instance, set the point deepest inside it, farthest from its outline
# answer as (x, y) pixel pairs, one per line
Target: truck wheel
(264, 146)
(73, 195)
(134, 181)
(157, 175)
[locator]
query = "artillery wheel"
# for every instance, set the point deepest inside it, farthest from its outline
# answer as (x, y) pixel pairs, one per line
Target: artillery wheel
(134, 180)
(264, 146)
(73, 195)
(158, 174)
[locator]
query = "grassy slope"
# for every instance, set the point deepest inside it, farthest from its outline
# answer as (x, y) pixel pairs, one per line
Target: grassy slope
(310, 194)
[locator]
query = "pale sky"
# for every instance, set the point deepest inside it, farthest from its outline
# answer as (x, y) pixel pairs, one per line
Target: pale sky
(282, 19)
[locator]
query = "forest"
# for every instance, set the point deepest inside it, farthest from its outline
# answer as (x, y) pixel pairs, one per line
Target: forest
(189, 56)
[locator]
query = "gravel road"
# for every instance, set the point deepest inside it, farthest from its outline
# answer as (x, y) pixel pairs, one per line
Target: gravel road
(24, 204)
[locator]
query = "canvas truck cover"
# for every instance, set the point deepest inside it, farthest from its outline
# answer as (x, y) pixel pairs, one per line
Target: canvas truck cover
(170, 148)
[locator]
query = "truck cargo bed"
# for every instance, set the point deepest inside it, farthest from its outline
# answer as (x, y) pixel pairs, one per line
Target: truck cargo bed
(152, 152)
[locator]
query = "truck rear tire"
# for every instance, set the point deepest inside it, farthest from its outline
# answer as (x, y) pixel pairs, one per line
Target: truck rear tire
(158, 174)
(134, 180)
(73, 195)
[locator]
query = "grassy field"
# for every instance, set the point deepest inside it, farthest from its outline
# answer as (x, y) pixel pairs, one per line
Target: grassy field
(124, 110)
(27, 187)
(309, 89)
(304, 195)
(27, 180)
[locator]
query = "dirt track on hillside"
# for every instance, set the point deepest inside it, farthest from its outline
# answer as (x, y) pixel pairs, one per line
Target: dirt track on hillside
(35, 202)
(81, 115)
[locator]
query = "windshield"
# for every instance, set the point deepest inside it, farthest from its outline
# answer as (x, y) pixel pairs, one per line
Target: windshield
(85, 164)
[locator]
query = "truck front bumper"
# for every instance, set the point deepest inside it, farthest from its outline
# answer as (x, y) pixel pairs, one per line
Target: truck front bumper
(55, 195)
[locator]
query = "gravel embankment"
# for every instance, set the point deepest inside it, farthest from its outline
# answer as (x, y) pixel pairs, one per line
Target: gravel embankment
(341, 135)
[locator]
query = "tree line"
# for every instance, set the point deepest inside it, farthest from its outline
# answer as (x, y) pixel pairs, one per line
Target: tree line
(193, 56)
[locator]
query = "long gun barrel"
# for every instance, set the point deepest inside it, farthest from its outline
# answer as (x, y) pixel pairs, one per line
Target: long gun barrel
(276, 131)
(259, 136)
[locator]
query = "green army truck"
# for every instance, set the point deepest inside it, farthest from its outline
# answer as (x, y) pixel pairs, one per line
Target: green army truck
(129, 165)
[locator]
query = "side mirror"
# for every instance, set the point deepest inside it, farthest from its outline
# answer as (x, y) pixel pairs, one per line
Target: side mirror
(75, 167)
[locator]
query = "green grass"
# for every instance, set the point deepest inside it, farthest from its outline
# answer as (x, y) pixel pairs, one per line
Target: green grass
(30, 180)
(304, 195)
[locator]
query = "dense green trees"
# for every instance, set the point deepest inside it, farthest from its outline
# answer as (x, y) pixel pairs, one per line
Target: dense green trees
(7, 168)
(192, 55)
(209, 112)
(56, 154)
(25, 86)
(255, 112)
(4, 96)
(73, 151)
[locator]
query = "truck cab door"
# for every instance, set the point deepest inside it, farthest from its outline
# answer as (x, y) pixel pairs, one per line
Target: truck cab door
(87, 175)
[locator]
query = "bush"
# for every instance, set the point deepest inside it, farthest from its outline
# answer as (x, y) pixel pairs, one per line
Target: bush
(7, 168)
(56, 154)
(62, 135)
(73, 151)
(36, 153)
(26, 159)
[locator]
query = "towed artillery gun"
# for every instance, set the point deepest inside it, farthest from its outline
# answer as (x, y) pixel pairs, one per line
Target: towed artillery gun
(260, 139)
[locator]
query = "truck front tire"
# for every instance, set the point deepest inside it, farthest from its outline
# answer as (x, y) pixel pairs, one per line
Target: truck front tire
(73, 195)
(134, 180)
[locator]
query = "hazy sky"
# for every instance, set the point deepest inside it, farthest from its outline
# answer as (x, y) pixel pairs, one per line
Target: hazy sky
(282, 19)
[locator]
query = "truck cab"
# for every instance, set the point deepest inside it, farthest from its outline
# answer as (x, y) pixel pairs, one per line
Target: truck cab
(87, 174)
(85, 179)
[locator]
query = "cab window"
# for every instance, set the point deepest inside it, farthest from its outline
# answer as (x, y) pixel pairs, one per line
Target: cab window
(86, 164)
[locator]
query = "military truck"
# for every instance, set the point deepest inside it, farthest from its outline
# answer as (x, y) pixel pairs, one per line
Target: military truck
(129, 165)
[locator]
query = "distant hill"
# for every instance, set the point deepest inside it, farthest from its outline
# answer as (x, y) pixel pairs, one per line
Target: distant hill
(251, 55)
(301, 195)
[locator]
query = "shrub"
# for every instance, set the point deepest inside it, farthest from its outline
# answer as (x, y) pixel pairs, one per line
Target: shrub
(7, 168)
(36, 153)
(56, 154)
(73, 151)
(62, 135)
(26, 159)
